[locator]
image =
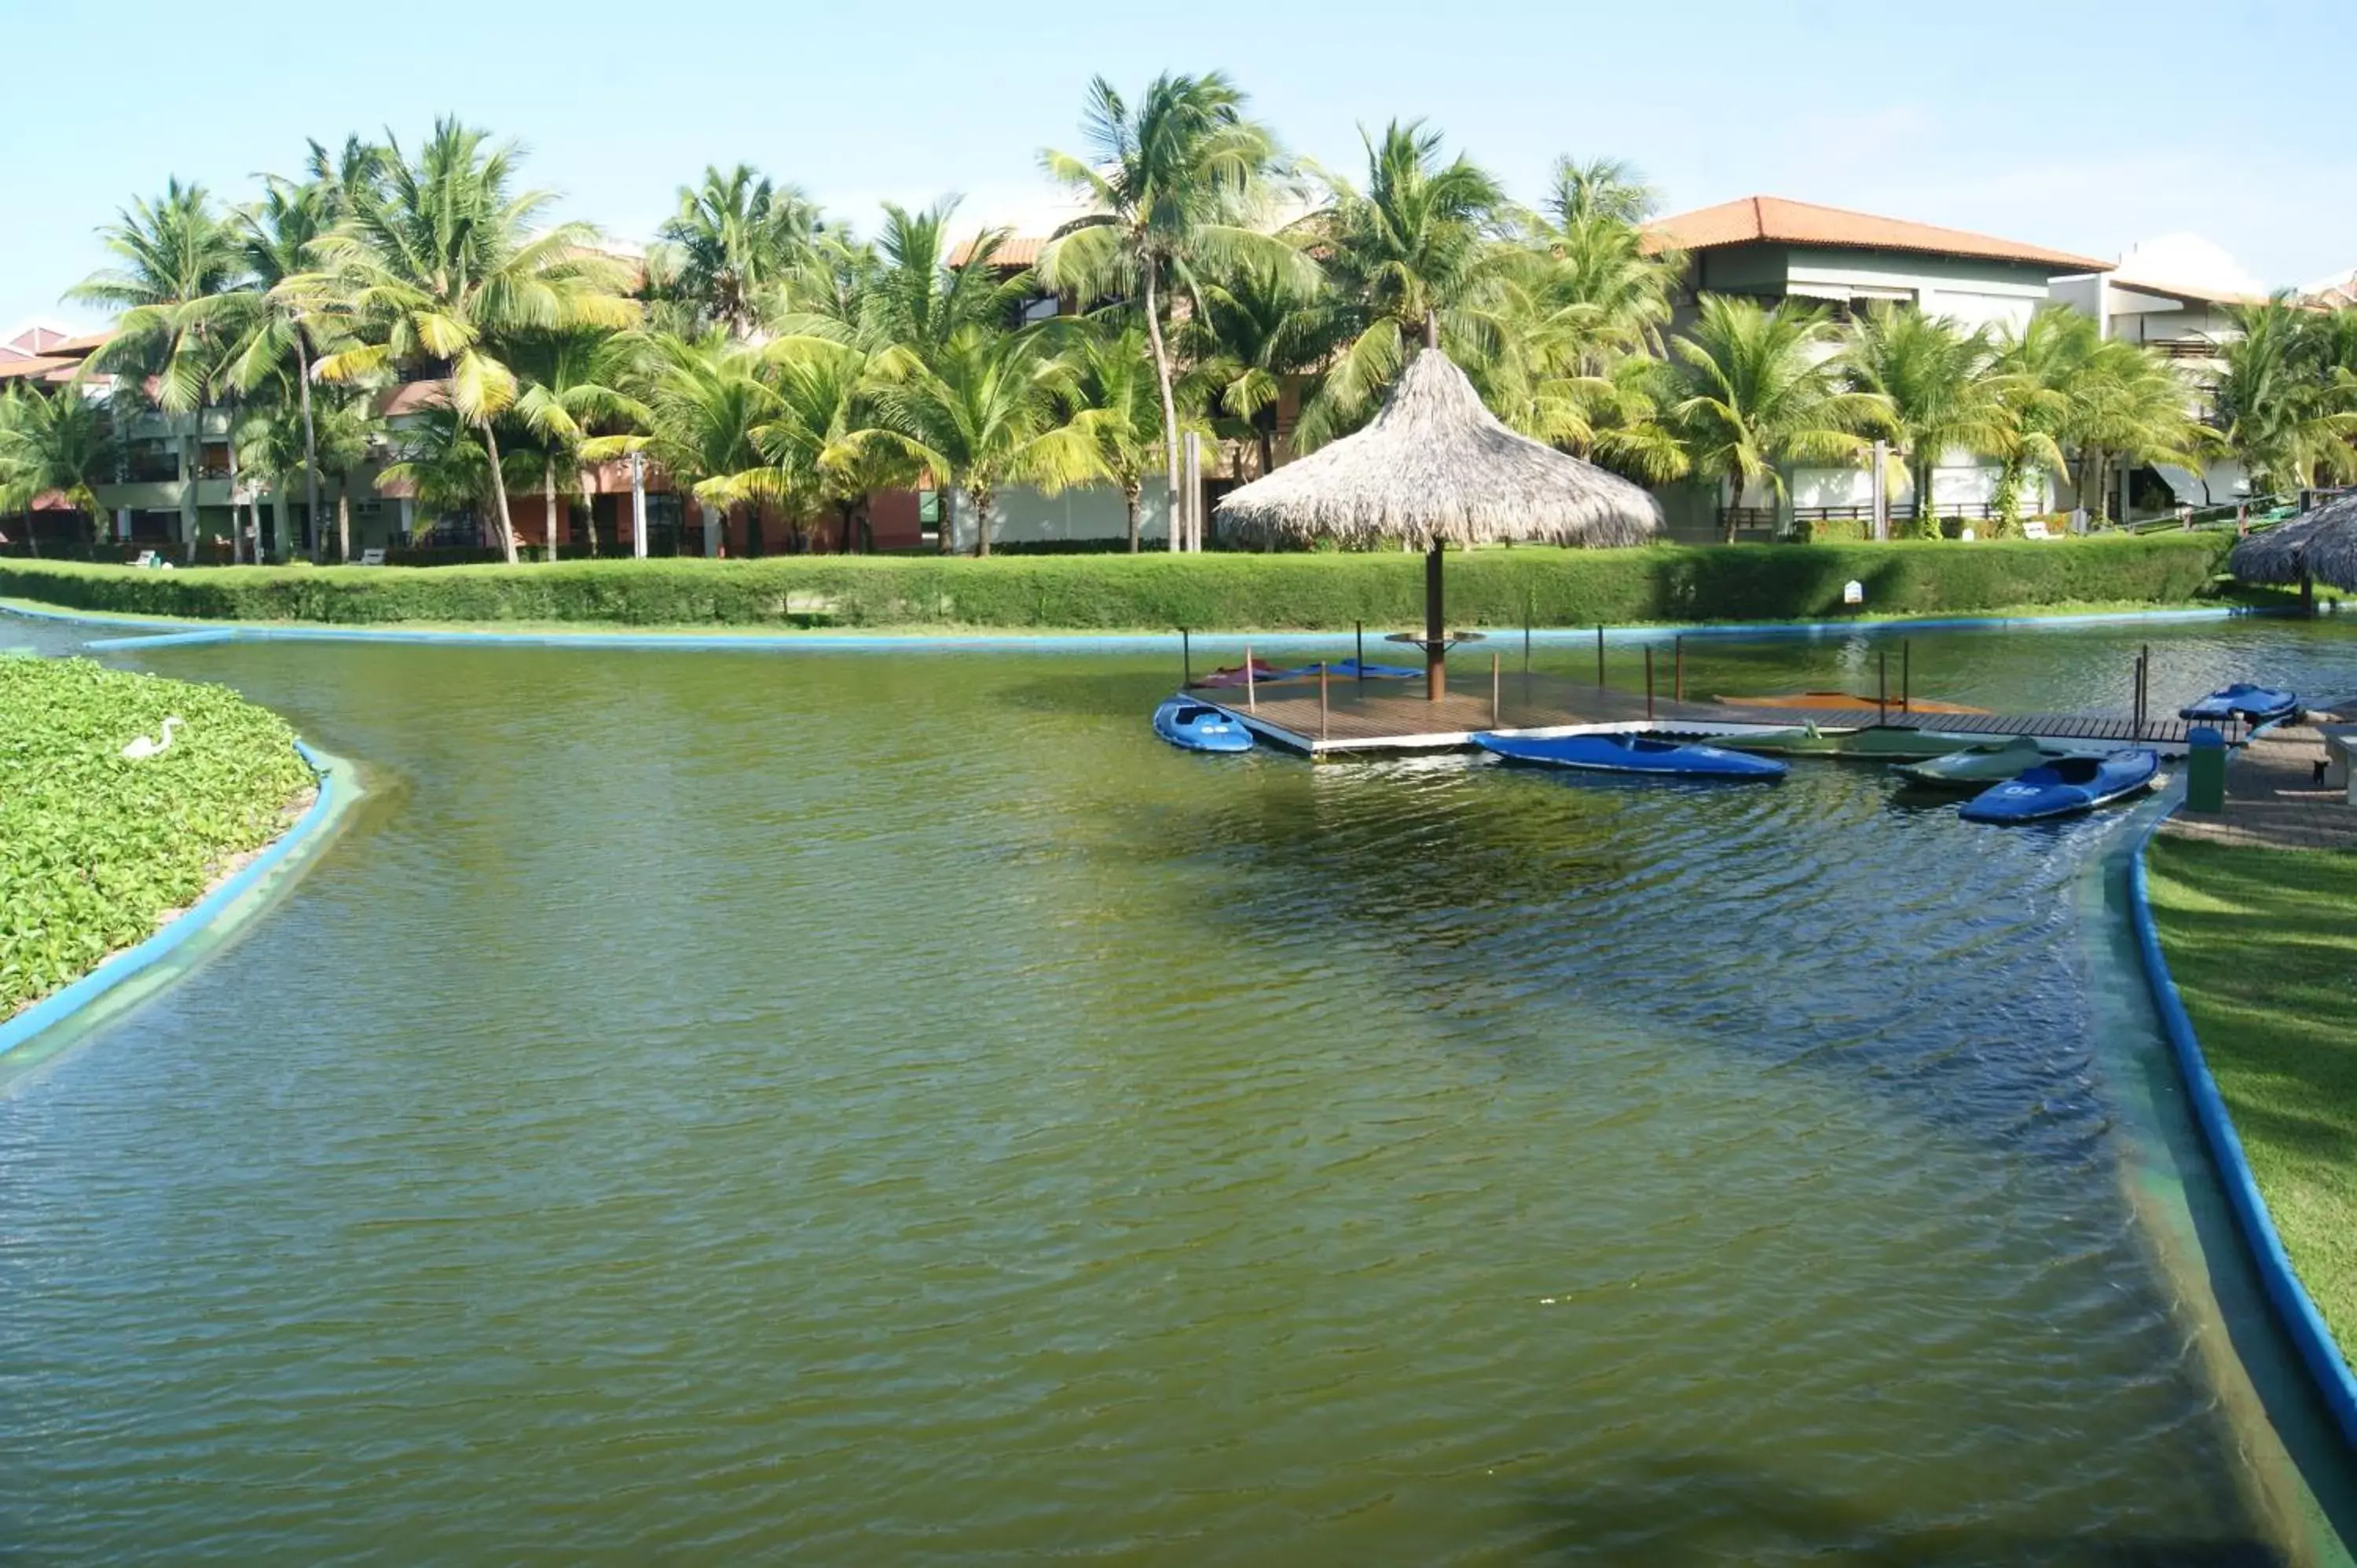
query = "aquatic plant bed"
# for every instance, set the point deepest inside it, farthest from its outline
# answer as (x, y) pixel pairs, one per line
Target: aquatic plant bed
(97, 851)
(1494, 588)
(2263, 946)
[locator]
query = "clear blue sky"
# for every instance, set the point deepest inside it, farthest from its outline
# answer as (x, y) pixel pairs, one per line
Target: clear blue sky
(2079, 125)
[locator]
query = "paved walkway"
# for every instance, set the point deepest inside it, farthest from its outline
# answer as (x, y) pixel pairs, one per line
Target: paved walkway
(2273, 801)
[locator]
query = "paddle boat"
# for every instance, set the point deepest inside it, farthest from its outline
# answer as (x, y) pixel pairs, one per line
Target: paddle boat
(1191, 726)
(1870, 744)
(1844, 701)
(1977, 767)
(1629, 753)
(2258, 704)
(2066, 786)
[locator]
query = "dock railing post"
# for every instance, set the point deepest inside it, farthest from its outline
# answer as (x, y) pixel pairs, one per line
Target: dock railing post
(1526, 643)
(1678, 680)
(1186, 660)
(1906, 675)
(1599, 658)
(1882, 687)
(1321, 699)
(1649, 683)
(1494, 678)
(1359, 651)
(2144, 690)
(1252, 697)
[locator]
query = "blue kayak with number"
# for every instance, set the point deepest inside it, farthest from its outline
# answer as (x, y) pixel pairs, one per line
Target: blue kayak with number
(1195, 727)
(2258, 704)
(2065, 787)
(1630, 754)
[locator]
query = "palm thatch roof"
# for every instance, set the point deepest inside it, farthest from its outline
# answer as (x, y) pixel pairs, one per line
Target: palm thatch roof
(2321, 545)
(1435, 466)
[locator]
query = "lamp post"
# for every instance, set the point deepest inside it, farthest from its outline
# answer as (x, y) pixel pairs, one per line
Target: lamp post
(639, 505)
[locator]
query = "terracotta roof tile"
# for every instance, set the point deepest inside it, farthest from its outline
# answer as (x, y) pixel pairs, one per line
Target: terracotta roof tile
(1753, 218)
(1019, 251)
(19, 370)
(88, 343)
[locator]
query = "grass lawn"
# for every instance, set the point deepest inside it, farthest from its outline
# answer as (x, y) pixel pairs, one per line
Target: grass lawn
(97, 851)
(2262, 945)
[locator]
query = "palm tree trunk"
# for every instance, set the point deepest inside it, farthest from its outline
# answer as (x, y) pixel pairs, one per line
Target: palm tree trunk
(1129, 497)
(1267, 450)
(343, 518)
(311, 448)
(981, 497)
(1169, 404)
(191, 447)
(752, 529)
(548, 502)
(1734, 499)
(947, 526)
(589, 500)
(499, 492)
(236, 529)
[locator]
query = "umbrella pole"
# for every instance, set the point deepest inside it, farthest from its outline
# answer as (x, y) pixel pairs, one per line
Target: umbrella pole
(1435, 648)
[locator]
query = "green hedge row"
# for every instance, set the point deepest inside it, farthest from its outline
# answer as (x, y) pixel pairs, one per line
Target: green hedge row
(1495, 587)
(95, 849)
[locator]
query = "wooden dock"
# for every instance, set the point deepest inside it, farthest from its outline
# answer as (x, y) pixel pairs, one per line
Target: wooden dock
(1393, 716)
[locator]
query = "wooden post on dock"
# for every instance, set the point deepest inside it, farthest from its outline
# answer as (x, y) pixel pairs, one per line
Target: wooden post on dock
(1599, 658)
(1252, 697)
(1186, 661)
(1321, 699)
(2144, 690)
(1359, 651)
(1906, 675)
(1494, 678)
(1526, 642)
(1678, 681)
(1882, 687)
(1649, 683)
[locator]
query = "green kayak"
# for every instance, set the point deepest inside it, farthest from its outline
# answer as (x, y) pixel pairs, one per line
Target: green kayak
(1977, 767)
(1872, 744)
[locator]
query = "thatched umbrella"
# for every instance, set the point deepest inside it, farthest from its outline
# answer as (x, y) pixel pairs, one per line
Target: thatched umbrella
(2318, 546)
(1434, 468)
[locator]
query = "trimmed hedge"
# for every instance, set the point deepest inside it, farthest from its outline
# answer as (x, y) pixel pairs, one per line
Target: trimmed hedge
(1310, 591)
(96, 850)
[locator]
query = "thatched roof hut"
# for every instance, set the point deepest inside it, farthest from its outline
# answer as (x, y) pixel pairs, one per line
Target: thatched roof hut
(2318, 546)
(1434, 468)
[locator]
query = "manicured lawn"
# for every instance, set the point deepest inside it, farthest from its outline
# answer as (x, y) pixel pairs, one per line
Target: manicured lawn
(95, 851)
(2263, 944)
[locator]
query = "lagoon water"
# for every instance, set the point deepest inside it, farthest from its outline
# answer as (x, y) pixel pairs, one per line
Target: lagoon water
(858, 1107)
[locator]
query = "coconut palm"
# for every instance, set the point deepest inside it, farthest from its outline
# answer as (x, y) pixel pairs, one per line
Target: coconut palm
(56, 442)
(1413, 257)
(571, 384)
(2127, 404)
(1605, 291)
(445, 264)
(2282, 405)
(1940, 388)
(733, 243)
(1180, 185)
(914, 301)
(985, 417)
(705, 402)
(173, 256)
(1254, 333)
(820, 440)
(1750, 388)
(1114, 393)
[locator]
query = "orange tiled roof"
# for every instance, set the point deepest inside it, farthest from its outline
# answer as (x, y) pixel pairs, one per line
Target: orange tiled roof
(1019, 251)
(409, 397)
(1752, 219)
(88, 343)
(19, 370)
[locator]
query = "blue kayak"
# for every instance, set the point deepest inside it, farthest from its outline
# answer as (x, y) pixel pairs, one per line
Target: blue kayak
(2065, 786)
(1351, 670)
(1630, 754)
(2259, 704)
(1195, 727)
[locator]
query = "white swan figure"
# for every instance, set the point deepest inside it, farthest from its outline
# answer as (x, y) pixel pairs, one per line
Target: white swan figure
(140, 748)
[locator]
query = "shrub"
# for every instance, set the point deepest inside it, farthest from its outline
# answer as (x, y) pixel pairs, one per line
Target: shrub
(1309, 590)
(95, 849)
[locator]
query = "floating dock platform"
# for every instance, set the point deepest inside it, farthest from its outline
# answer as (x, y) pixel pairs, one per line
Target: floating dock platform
(1392, 716)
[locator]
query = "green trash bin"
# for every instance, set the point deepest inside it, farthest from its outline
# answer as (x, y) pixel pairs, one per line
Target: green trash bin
(2205, 769)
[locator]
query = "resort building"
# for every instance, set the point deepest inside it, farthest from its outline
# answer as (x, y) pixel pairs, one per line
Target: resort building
(1774, 249)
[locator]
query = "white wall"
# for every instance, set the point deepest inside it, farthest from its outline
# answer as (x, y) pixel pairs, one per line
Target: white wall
(1021, 515)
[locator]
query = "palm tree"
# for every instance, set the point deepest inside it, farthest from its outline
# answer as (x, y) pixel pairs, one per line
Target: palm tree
(987, 417)
(1939, 390)
(60, 442)
(442, 266)
(2284, 407)
(915, 302)
(1750, 388)
(1179, 186)
(1606, 291)
(821, 441)
(705, 402)
(2127, 404)
(1113, 394)
(571, 382)
(734, 240)
(1255, 332)
(174, 256)
(1413, 257)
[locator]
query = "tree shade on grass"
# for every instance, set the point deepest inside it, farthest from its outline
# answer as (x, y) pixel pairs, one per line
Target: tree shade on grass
(2263, 946)
(95, 851)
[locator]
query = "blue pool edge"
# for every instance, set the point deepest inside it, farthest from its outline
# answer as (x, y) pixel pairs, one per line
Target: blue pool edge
(2301, 1321)
(62, 1003)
